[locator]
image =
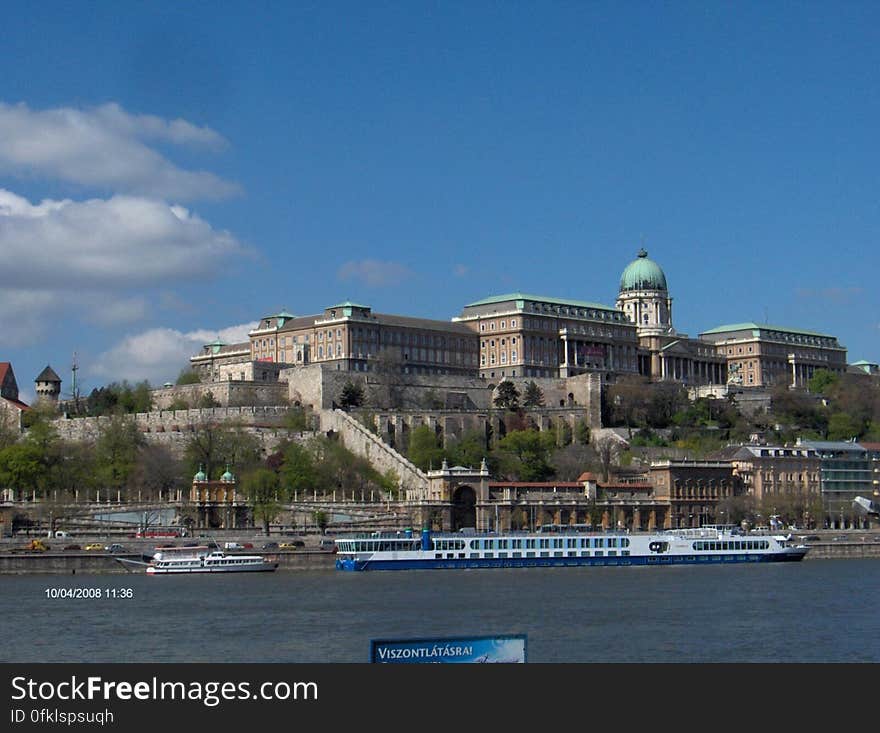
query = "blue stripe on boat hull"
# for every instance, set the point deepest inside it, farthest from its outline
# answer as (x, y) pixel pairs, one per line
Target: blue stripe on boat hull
(531, 562)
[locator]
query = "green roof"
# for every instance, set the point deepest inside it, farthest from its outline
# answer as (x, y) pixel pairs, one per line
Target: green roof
(539, 298)
(642, 274)
(762, 327)
(349, 304)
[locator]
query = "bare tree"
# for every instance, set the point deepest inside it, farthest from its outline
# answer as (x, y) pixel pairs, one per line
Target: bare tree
(608, 448)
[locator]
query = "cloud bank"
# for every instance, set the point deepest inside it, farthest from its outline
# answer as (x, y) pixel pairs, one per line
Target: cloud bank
(99, 243)
(159, 354)
(105, 147)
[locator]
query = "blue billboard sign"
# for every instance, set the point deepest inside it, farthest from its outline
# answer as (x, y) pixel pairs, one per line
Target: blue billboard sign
(468, 650)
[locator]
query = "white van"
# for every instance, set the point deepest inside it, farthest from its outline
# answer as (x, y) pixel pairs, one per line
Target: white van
(62, 535)
(233, 546)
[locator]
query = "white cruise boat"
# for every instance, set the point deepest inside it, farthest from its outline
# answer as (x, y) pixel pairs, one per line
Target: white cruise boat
(201, 559)
(704, 545)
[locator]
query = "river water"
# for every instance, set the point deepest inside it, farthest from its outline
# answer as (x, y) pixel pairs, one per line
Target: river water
(813, 611)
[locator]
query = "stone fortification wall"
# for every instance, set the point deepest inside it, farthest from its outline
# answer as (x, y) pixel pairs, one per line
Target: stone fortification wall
(173, 428)
(362, 442)
(450, 425)
(228, 394)
(321, 388)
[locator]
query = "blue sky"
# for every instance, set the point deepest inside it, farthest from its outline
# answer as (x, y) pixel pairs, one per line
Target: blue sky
(170, 172)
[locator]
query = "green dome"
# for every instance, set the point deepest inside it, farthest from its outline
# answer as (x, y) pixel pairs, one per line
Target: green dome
(227, 476)
(200, 476)
(642, 274)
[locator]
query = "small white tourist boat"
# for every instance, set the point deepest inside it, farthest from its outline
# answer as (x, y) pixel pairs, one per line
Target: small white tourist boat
(200, 559)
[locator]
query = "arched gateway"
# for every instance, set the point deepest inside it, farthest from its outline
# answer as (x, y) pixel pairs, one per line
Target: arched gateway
(464, 508)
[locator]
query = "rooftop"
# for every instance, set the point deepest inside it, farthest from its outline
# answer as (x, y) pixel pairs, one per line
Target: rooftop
(762, 327)
(539, 299)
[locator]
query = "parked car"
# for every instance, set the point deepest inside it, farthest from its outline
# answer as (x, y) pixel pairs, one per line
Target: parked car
(72, 547)
(115, 548)
(327, 545)
(233, 546)
(248, 545)
(270, 546)
(292, 545)
(95, 546)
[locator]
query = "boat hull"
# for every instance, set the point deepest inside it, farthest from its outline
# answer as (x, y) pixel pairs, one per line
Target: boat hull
(268, 568)
(350, 564)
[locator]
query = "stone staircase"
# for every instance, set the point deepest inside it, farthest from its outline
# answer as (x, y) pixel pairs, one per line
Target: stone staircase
(360, 441)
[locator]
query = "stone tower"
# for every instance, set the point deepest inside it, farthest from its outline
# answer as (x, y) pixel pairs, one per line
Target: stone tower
(48, 385)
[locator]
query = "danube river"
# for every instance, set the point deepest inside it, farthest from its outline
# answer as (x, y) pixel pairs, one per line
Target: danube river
(813, 611)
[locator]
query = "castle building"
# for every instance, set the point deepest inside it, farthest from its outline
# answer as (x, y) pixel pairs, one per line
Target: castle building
(518, 335)
(760, 355)
(351, 337)
(664, 353)
(537, 336)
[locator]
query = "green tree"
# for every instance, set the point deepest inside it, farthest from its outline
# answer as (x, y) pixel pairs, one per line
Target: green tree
(116, 452)
(533, 395)
(338, 469)
(260, 486)
(188, 376)
(352, 395)
(469, 450)
(526, 454)
(21, 467)
(297, 469)
(424, 448)
(822, 380)
(843, 426)
(506, 396)
(207, 400)
(582, 432)
(321, 520)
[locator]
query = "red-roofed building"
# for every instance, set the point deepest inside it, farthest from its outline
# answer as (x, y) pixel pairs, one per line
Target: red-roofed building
(10, 405)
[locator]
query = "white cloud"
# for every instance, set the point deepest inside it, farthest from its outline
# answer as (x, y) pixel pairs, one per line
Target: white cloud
(100, 243)
(374, 273)
(103, 147)
(159, 354)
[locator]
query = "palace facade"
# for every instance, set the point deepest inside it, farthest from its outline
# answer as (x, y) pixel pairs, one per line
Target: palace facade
(522, 336)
